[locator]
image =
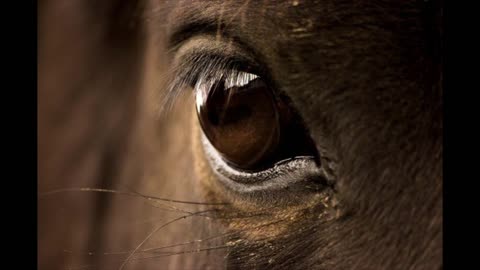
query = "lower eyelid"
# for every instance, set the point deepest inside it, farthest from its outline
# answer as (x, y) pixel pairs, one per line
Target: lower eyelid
(282, 175)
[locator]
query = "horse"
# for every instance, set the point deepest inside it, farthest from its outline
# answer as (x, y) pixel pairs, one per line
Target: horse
(240, 134)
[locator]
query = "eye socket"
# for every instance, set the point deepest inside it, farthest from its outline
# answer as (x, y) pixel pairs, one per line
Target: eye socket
(249, 125)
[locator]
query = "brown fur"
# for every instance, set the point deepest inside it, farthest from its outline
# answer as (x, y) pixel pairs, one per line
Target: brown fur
(364, 75)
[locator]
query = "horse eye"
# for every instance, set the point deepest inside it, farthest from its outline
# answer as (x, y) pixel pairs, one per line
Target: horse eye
(248, 125)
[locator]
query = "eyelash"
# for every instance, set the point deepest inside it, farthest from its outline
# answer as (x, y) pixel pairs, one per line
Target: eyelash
(188, 70)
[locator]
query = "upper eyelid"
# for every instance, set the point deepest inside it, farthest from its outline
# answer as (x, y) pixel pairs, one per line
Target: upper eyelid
(203, 36)
(213, 46)
(193, 28)
(205, 53)
(206, 65)
(205, 56)
(192, 62)
(184, 32)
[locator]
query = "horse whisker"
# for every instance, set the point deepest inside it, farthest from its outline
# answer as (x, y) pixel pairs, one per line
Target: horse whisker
(134, 194)
(152, 233)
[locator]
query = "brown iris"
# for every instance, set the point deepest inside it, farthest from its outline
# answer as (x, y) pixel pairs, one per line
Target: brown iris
(246, 123)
